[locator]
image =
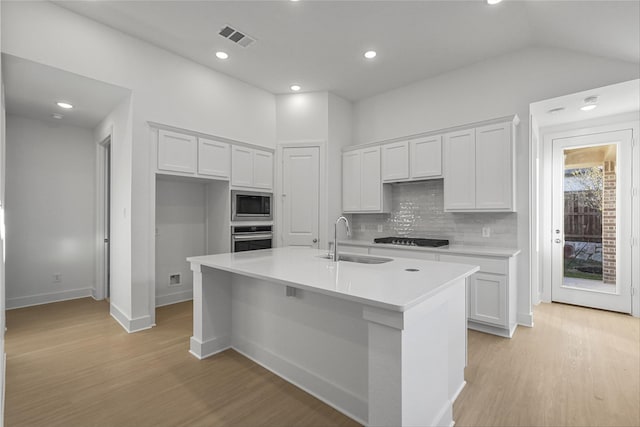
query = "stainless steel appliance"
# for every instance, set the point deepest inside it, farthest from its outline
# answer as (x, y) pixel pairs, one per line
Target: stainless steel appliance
(251, 237)
(412, 241)
(251, 206)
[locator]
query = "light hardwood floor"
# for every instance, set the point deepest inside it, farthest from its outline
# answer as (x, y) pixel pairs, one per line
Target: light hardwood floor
(70, 364)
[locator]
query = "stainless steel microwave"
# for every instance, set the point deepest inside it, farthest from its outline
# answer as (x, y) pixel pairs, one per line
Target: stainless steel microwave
(251, 206)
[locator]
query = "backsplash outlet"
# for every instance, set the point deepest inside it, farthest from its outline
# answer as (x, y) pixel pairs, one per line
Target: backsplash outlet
(418, 211)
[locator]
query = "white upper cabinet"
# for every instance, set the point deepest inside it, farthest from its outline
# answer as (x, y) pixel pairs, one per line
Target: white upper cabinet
(494, 167)
(460, 170)
(395, 161)
(351, 172)
(177, 152)
(213, 158)
(412, 160)
(262, 169)
(362, 189)
(426, 157)
(251, 168)
(479, 170)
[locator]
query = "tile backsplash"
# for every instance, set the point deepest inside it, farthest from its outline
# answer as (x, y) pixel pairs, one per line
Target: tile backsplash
(417, 211)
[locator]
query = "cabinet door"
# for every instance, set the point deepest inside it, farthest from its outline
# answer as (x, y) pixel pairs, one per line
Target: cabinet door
(426, 157)
(371, 184)
(177, 152)
(488, 298)
(351, 174)
(213, 158)
(263, 169)
(395, 161)
(494, 167)
(460, 170)
(241, 167)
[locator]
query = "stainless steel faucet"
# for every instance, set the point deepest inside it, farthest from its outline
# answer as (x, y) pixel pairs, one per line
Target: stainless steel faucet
(335, 236)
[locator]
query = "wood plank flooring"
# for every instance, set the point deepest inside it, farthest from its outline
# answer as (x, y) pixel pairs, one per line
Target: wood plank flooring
(575, 367)
(70, 364)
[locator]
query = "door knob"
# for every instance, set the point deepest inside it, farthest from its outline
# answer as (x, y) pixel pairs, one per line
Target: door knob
(315, 240)
(558, 241)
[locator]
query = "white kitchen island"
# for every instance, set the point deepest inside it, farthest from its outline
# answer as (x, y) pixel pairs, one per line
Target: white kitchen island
(383, 343)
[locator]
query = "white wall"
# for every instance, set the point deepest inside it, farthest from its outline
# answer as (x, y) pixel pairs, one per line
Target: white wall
(181, 232)
(2, 265)
(50, 212)
(117, 125)
(319, 116)
(493, 88)
(166, 88)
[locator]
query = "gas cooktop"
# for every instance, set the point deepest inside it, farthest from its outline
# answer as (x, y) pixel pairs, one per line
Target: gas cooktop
(412, 241)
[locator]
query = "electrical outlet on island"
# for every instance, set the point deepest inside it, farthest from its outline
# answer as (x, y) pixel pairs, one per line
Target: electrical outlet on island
(380, 228)
(486, 232)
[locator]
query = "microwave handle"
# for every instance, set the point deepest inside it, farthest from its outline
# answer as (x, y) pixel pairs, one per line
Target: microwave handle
(240, 237)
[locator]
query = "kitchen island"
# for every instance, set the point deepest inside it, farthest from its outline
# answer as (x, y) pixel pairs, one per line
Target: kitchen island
(383, 343)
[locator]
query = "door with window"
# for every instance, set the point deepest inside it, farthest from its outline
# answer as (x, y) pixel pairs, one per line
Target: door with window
(592, 208)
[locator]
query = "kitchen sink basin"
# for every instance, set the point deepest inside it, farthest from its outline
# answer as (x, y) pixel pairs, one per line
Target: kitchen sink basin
(360, 259)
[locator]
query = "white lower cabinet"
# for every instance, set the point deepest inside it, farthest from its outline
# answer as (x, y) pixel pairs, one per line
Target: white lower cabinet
(491, 292)
(487, 299)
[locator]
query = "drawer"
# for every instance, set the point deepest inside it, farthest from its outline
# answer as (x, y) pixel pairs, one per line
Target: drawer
(399, 253)
(487, 265)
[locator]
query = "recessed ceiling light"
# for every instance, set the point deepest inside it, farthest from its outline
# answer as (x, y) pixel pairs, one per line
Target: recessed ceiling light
(295, 88)
(57, 116)
(222, 55)
(370, 54)
(492, 2)
(590, 103)
(64, 105)
(555, 110)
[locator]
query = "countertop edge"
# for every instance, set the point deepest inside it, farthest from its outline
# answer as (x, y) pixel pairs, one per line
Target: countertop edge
(457, 250)
(387, 306)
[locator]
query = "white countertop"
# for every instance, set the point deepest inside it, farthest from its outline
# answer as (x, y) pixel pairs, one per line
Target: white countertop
(451, 249)
(383, 285)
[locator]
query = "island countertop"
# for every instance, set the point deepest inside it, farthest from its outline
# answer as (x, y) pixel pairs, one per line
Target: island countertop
(389, 285)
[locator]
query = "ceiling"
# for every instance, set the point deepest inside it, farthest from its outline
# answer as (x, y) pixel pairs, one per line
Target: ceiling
(32, 90)
(614, 99)
(319, 44)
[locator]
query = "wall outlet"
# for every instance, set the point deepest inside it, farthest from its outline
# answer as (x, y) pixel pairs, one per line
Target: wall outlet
(362, 227)
(174, 280)
(380, 228)
(57, 277)
(486, 232)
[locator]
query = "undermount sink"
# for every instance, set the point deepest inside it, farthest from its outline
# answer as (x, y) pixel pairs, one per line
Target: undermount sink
(361, 259)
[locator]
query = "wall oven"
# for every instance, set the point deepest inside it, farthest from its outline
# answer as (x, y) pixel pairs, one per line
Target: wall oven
(250, 206)
(251, 237)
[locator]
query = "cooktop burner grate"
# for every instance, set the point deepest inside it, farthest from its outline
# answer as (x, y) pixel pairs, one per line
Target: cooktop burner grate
(412, 241)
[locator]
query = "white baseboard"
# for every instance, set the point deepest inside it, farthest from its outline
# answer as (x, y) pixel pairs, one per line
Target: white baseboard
(333, 395)
(458, 391)
(174, 298)
(202, 350)
(38, 299)
(525, 319)
(130, 325)
(489, 329)
(445, 416)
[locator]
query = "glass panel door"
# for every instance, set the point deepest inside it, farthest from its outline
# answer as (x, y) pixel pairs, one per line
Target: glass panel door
(591, 266)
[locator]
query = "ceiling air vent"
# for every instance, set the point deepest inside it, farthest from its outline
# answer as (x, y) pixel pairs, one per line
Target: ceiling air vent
(236, 36)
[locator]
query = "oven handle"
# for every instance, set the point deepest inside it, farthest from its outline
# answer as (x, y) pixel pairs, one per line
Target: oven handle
(240, 237)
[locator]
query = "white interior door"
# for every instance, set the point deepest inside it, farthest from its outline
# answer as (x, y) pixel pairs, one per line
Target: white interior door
(592, 213)
(300, 196)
